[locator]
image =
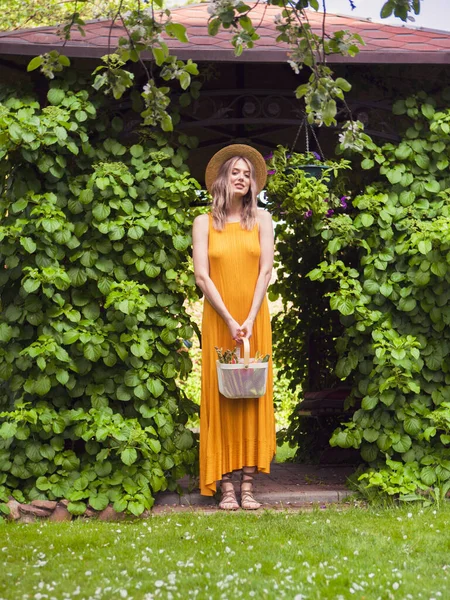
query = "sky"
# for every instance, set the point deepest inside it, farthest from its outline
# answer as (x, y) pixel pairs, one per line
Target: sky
(434, 14)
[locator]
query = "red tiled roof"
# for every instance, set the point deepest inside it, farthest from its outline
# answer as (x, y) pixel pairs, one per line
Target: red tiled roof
(384, 43)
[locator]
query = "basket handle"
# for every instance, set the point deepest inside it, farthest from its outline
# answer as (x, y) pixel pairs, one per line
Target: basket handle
(246, 344)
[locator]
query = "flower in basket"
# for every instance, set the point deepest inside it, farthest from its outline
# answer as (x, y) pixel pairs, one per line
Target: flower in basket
(305, 185)
(231, 357)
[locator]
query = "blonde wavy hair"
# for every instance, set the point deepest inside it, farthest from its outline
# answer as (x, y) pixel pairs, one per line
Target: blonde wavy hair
(222, 195)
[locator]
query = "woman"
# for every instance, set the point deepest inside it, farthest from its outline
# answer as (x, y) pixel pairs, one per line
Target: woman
(233, 257)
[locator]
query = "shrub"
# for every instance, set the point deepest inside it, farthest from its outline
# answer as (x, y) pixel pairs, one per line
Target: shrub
(393, 298)
(93, 247)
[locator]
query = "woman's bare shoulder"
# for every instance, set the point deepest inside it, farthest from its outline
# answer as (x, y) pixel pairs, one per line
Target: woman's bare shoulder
(202, 220)
(264, 216)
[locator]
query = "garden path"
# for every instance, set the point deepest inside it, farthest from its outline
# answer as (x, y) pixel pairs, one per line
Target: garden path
(288, 485)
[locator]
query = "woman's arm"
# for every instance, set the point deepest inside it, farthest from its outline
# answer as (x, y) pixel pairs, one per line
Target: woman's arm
(201, 271)
(265, 269)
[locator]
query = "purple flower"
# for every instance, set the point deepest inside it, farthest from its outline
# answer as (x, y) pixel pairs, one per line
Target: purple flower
(308, 214)
(330, 212)
(269, 156)
(271, 172)
(344, 201)
(316, 155)
(326, 199)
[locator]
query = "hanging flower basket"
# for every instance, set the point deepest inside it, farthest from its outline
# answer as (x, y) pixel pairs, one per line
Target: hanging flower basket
(312, 170)
(304, 184)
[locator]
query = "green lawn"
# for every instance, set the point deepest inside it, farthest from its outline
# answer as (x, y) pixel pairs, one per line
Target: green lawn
(324, 554)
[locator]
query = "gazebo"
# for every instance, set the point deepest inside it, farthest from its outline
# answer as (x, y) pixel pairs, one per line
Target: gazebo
(251, 97)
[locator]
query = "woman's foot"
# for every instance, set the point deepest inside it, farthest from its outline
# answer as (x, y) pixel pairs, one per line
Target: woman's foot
(228, 501)
(248, 501)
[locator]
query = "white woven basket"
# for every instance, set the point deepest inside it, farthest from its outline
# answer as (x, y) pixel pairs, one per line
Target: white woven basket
(246, 379)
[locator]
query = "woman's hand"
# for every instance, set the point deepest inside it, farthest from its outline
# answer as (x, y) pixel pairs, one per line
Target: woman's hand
(235, 331)
(246, 328)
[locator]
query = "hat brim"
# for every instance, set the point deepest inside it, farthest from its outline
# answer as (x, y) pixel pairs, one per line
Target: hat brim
(251, 154)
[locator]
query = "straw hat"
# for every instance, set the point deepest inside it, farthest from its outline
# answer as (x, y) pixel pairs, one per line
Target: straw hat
(251, 154)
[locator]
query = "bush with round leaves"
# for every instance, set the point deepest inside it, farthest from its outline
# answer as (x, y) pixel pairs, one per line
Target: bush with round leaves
(389, 259)
(94, 240)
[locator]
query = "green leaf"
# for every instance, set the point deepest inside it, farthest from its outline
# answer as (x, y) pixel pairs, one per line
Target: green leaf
(86, 196)
(165, 300)
(387, 9)
(343, 305)
(371, 287)
(136, 151)
(28, 244)
(103, 469)
(422, 161)
(394, 175)
(403, 151)
(42, 385)
(369, 402)
(371, 435)
(428, 475)
(32, 451)
(12, 313)
(387, 397)
(42, 483)
(35, 63)
(98, 502)
(399, 107)
(425, 246)
(155, 387)
(433, 186)
(128, 456)
(76, 508)
(386, 289)
(120, 505)
(367, 164)
(31, 285)
(92, 352)
(367, 219)
(427, 111)
(155, 445)
(169, 371)
(6, 332)
(178, 31)
(407, 304)
(159, 55)
(136, 508)
(55, 96)
(412, 425)
(64, 60)
(168, 336)
(166, 123)
(181, 242)
(62, 376)
(8, 430)
(71, 336)
(403, 445)
(439, 268)
(123, 394)
(184, 441)
(214, 26)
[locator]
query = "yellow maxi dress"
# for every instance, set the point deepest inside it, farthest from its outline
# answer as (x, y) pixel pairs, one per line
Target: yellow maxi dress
(233, 432)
